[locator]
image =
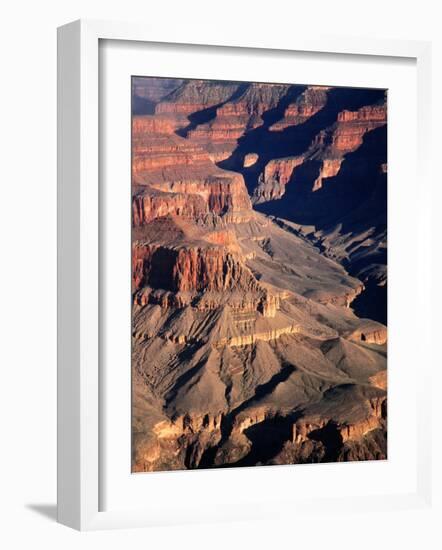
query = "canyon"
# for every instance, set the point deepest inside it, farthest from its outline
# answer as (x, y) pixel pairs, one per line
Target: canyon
(259, 274)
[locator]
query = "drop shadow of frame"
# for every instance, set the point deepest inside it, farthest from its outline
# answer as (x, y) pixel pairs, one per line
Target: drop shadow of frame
(49, 511)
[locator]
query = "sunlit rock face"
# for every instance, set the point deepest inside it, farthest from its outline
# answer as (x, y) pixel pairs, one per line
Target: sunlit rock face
(172, 175)
(235, 116)
(250, 160)
(311, 101)
(328, 149)
(275, 176)
(258, 249)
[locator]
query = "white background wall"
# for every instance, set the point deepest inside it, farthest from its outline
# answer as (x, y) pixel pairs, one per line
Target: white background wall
(28, 268)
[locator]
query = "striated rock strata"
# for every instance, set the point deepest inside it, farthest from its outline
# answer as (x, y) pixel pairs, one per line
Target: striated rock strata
(235, 117)
(312, 100)
(172, 175)
(328, 150)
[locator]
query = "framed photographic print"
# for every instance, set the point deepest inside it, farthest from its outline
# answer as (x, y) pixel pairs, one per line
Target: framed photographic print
(231, 216)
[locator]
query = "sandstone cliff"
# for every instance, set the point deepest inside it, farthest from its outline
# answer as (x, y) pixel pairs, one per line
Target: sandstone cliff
(233, 118)
(312, 100)
(328, 148)
(173, 175)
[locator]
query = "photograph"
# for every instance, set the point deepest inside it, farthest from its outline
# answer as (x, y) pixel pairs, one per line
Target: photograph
(259, 274)
(221, 304)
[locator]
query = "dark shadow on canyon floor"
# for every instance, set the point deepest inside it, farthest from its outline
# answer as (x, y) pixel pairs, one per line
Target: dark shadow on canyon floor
(227, 423)
(206, 115)
(293, 140)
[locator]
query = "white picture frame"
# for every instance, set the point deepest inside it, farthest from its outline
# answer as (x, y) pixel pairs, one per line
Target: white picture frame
(79, 269)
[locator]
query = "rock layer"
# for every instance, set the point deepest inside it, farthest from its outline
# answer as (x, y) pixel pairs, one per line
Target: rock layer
(312, 100)
(328, 149)
(233, 118)
(172, 175)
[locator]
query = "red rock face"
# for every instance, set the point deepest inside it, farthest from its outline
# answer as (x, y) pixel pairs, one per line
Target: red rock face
(276, 175)
(220, 136)
(281, 170)
(142, 126)
(165, 155)
(351, 126)
(329, 169)
(173, 175)
(370, 113)
(149, 204)
(344, 137)
(308, 104)
(191, 98)
(329, 146)
(189, 269)
(256, 100)
(196, 95)
(250, 159)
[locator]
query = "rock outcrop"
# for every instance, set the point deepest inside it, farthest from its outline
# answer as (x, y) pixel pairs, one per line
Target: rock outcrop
(172, 175)
(233, 118)
(250, 160)
(344, 137)
(189, 268)
(196, 95)
(192, 102)
(370, 332)
(328, 149)
(312, 100)
(277, 173)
